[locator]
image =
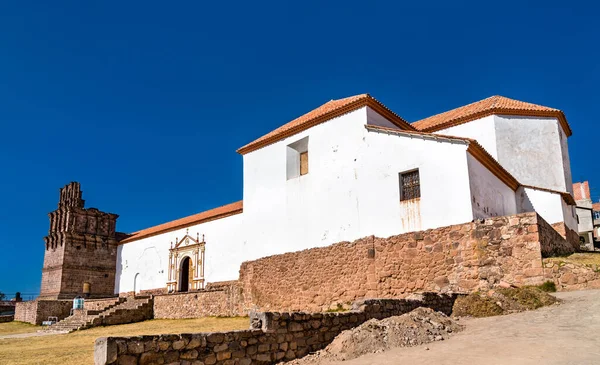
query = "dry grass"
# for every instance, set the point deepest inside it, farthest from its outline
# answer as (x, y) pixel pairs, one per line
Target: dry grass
(77, 348)
(591, 259)
(12, 328)
(501, 301)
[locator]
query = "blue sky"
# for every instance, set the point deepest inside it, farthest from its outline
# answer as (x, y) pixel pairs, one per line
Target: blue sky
(145, 103)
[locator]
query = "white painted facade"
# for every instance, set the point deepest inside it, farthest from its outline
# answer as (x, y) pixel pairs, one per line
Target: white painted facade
(352, 190)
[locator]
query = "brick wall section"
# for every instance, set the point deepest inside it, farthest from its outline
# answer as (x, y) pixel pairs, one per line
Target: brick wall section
(36, 311)
(461, 258)
(7, 318)
(221, 300)
(275, 337)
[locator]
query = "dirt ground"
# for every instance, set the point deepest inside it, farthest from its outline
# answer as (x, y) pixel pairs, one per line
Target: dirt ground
(568, 333)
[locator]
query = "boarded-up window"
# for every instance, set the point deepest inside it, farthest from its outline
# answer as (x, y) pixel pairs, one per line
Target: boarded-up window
(410, 185)
(304, 163)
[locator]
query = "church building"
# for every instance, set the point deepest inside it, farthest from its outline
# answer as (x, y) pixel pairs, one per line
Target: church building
(348, 169)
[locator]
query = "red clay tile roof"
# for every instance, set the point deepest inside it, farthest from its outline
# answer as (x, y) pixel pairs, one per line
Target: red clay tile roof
(581, 190)
(206, 216)
(596, 207)
(325, 112)
(492, 105)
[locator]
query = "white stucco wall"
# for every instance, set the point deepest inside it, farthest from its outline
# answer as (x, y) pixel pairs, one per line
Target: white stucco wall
(566, 161)
(530, 149)
(225, 250)
(586, 221)
(550, 206)
(483, 130)
(490, 197)
(352, 188)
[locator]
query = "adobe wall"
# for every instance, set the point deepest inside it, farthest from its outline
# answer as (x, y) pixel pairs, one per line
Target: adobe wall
(460, 258)
(37, 311)
(222, 300)
(273, 337)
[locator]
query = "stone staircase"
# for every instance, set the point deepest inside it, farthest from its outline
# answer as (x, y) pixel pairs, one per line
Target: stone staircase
(125, 310)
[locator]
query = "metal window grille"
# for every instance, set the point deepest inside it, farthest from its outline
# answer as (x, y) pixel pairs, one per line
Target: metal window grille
(410, 185)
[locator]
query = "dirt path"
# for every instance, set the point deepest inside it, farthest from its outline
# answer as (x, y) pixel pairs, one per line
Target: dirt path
(562, 334)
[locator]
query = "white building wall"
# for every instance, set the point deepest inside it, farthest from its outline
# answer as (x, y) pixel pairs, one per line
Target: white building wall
(225, 249)
(352, 188)
(550, 206)
(566, 161)
(490, 197)
(315, 209)
(482, 130)
(443, 177)
(530, 149)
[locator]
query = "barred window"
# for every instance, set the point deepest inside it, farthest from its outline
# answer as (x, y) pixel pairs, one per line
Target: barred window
(410, 185)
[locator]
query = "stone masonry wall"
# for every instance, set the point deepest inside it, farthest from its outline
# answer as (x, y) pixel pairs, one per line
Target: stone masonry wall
(552, 242)
(461, 258)
(100, 304)
(570, 235)
(274, 337)
(224, 301)
(569, 276)
(37, 311)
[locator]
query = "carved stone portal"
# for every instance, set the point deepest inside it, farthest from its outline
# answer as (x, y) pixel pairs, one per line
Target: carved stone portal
(186, 264)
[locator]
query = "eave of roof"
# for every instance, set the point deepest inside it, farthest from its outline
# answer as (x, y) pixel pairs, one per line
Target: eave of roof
(474, 148)
(203, 217)
(494, 105)
(325, 112)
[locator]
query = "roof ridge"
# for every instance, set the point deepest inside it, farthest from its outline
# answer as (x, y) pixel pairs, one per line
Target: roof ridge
(323, 113)
(496, 104)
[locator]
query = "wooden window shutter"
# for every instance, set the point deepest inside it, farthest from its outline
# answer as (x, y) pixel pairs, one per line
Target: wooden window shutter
(304, 163)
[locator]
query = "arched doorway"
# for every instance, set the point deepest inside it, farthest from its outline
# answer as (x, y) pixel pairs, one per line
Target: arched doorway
(186, 274)
(136, 283)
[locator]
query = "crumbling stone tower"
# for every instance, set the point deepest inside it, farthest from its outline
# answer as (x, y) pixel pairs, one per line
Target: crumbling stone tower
(81, 249)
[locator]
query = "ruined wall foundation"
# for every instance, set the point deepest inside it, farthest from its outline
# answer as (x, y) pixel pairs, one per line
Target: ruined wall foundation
(273, 337)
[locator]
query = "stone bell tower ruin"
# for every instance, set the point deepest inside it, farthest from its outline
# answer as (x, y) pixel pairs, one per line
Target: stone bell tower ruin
(81, 249)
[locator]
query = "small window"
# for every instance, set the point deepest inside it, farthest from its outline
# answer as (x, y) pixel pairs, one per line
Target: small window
(410, 185)
(297, 159)
(304, 163)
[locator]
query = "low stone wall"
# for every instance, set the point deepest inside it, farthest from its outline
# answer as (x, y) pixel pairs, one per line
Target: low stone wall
(568, 234)
(552, 243)
(274, 337)
(7, 307)
(220, 301)
(37, 311)
(569, 276)
(7, 318)
(461, 258)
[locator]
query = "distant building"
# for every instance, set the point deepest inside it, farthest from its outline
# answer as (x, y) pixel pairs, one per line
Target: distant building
(585, 214)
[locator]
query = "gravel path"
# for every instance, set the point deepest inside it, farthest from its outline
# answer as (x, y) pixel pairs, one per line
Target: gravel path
(568, 333)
